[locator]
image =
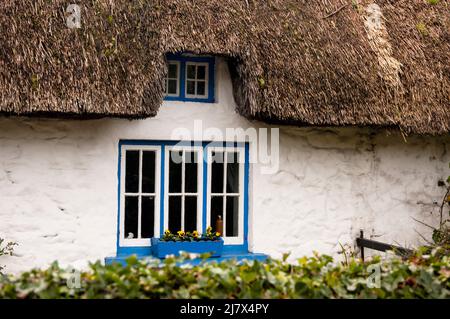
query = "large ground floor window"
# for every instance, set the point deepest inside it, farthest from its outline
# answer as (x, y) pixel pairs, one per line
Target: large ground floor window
(182, 186)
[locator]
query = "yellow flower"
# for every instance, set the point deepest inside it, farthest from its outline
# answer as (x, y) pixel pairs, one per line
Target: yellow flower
(195, 233)
(180, 233)
(217, 234)
(167, 232)
(209, 229)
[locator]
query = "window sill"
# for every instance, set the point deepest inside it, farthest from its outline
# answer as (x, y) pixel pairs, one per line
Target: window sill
(121, 259)
(189, 99)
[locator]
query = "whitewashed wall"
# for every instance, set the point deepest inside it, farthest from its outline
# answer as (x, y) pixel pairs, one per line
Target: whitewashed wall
(58, 183)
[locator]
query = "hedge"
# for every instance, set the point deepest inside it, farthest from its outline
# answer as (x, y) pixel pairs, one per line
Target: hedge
(319, 276)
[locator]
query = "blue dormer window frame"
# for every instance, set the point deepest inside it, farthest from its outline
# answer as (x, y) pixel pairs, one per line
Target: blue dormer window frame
(183, 61)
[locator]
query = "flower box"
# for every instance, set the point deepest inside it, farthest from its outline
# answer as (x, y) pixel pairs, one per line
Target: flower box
(161, 249)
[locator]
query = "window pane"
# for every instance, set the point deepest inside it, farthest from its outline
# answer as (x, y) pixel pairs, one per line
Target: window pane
(201, 71)
(217, 172)
(191, 168)
(190, 87)
(173, 71)
(131, 217)
(232, 172)
(132, 172)
(232, 216)
(174, 213)
(190, 213)
(165, 86)
(147, 217)
(190, 71)
(175, 162)
(216, 210)
(201, 88)
(148, 171)
(172, 87)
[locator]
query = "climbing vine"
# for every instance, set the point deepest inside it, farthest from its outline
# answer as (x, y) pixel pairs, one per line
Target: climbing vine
(6, 249)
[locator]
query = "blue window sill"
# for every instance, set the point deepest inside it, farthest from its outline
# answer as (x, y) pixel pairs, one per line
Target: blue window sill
(121, 259)
(185, 99)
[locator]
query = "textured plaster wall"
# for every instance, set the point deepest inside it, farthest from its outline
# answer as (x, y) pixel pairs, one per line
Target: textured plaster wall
(332, 183)
(58, 183)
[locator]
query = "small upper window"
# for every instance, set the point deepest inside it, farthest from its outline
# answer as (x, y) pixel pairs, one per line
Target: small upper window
(189, 78)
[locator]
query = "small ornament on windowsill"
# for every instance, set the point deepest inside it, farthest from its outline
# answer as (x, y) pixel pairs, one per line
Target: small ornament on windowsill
(130, 236)
(219, 225)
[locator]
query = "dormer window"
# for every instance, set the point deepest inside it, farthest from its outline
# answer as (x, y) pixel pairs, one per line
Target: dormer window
(189, 78)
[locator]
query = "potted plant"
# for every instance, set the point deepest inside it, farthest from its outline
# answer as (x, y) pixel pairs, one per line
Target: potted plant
(172, 244)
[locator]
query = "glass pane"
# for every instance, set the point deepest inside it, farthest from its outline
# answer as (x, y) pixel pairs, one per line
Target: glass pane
(191, 167)
(132, 172)
(173, 71)
(201, 88)
(201, 72)
(131, 217)
(232, 172)
(165, 86)
(147, 217)
(172, 87)
(216, 211)
(190, 87)
(175, 162)
(148, 171)
(190, 71)
(232, 216)
(190, 213)
(217, 172)
(174, 213)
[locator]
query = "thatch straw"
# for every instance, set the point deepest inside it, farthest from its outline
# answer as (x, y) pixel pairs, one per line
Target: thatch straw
(318, 62)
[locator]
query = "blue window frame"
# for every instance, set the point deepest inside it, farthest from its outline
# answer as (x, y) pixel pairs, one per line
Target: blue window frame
(190, 78)
(145, 174)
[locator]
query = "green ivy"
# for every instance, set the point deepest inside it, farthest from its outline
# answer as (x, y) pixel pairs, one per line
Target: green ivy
(319, 276)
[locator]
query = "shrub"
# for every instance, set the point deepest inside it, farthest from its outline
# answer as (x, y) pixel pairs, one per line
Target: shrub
(421, 276)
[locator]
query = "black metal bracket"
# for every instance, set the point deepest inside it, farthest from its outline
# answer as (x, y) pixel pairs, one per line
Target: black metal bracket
(376, 245)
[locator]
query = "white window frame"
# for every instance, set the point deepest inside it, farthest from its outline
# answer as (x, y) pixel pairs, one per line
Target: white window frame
(178, 78)
(139, 242)
(206, 80)
(200, 191)
(239, 240)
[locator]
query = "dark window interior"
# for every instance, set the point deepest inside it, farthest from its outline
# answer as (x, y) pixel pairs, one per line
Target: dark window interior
(131, 217)
(174, 213)
(132, 172)
(175, 167)
(190, 213)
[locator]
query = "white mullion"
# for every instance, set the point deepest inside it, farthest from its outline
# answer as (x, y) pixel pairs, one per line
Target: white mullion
(199, 201)
(224, 213)
(141, 155)
(220, 194)
(195, 79)
(183, 171)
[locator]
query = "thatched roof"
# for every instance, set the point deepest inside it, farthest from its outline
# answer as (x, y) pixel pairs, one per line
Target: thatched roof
(302, 62)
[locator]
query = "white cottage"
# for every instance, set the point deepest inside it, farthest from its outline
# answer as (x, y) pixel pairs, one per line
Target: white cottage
(296, 123)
